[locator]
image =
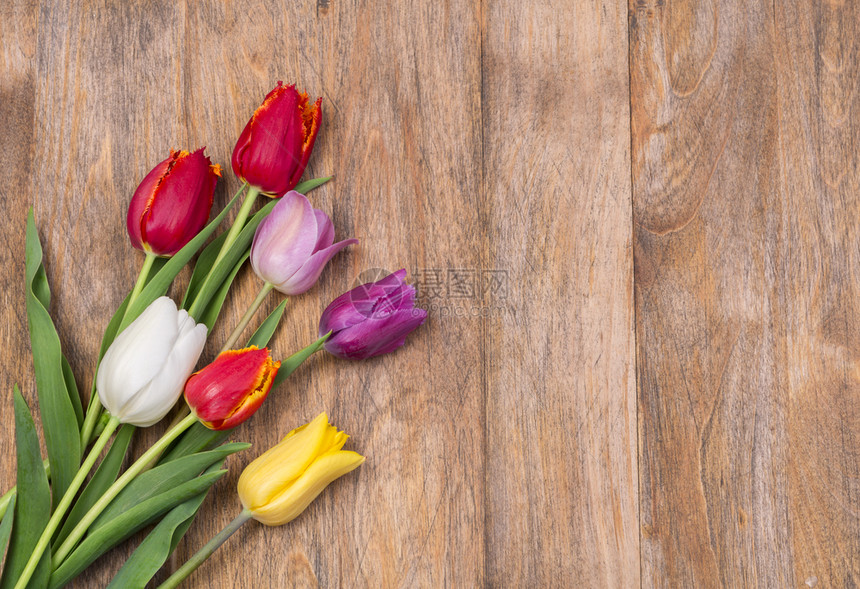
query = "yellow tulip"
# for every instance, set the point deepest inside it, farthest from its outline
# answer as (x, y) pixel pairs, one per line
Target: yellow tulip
(278, 486)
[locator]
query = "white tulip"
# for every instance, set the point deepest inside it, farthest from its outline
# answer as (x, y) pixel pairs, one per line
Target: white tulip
(144, 370)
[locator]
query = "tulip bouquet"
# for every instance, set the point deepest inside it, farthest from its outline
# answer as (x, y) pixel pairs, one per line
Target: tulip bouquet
(69, 509)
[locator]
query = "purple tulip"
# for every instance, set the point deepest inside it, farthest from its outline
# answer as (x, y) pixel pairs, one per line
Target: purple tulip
(372, 319)
(293, 244)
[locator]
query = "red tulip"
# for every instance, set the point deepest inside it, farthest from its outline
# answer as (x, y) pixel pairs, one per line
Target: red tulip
(172, 203)
(275, 145)
(228, 391)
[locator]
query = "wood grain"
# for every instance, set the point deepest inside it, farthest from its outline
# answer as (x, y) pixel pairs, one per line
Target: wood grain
(561, 429)
(408, 186)
(119, 85)
(745, 192)
(17, 89)
(634, 227)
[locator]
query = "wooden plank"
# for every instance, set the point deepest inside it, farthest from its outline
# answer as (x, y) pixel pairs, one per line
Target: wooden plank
(746, 185)
(117, 85)
(108, 107)
(561, 476)
(402, 134)
(17, 92)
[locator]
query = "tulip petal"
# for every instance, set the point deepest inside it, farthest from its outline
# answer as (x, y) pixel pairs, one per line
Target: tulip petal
(154, 401)
(356, 305)
(267, 475)
(334, 440)
(285, 239)
(180, 204)
(295, 498)
(311, 120)
(399, 298)
(232, 388)
(137, 354)
(269, 151)
(306, 276)
(240, 149)
(379, 334)
(141, 199)
(325, 230)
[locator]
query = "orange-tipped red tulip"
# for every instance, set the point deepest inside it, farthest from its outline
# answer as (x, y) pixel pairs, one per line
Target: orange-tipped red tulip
(274, 148)
(172, 203)
(232, 388)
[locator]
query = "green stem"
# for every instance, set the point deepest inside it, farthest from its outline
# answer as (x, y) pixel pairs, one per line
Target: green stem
(239, 223)
(141, 278)
(65, 502)
(6, 499)
(181, 414)
(235, 229)
(200, 557)
(93, 412)
(78, 532)
(246, 318)
(95, 405)
(102, 421)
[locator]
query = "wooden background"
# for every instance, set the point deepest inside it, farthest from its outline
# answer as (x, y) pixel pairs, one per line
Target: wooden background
(635, 227)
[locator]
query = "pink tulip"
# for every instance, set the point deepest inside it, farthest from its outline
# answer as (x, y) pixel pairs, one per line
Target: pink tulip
(293, 244)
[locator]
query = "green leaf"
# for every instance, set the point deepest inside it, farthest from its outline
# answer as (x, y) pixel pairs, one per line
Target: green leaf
(103, 478)
(6, 527)
(290, 365)
(308, 185)
(124, 525)
(36, 277)
(159, 283)
(196, 438)
(59, 420)
(160, 543)
(210, 316)
(33, 507)
(161, 479)
(267, 328)
(201, 268)
(72, 388)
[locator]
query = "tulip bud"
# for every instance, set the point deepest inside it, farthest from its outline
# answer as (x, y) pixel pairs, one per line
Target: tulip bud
(372, 319)
(293, 244)
(275, 145)
(276, 487)
(232, 388)
(172, 203)
(143, 371)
